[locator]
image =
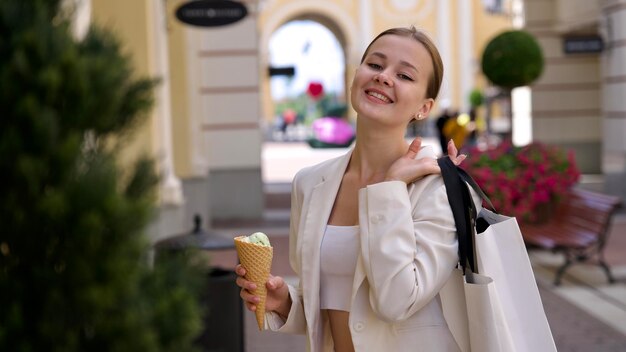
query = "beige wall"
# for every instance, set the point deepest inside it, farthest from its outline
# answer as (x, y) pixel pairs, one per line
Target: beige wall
(573, 14)
(132, 23)
(422, 15)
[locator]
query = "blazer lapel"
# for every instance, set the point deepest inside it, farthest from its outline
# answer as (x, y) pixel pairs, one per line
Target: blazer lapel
(359, 274)
(318, 212)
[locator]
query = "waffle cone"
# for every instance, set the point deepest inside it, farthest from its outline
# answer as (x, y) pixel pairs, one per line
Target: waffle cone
(257, 260)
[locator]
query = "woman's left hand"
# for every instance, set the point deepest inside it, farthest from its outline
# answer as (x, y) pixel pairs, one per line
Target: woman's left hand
(453, 153)
(408, 169)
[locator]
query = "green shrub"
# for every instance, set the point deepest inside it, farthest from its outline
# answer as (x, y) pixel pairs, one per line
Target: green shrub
(73, 273)
(476, 98)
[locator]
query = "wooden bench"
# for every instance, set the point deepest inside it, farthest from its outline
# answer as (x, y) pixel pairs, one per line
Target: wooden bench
(578, 228)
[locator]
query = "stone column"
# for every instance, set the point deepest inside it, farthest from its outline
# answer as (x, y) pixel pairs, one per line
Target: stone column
(613, 28)
(444, 25)
(225, 66)
(365, 19)
(467, 65)
(81, 16)
(566, 109)
(170, 192)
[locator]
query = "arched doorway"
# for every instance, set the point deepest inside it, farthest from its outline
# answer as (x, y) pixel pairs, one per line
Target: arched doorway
(307, 77)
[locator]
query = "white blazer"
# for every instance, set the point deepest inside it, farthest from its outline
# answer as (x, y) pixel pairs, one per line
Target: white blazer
(408, 249)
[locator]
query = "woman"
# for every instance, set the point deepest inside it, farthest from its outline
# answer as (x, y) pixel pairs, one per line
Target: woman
(372, 237)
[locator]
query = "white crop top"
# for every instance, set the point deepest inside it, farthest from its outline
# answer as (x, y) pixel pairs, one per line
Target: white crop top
(339, 252)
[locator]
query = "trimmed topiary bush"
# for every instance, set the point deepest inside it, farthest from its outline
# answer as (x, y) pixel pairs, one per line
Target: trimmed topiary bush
(512, 59)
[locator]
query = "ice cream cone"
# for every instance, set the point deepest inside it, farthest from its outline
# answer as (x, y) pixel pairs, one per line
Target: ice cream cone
(257, 260)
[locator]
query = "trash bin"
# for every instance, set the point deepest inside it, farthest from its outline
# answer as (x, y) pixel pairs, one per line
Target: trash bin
(223, 322)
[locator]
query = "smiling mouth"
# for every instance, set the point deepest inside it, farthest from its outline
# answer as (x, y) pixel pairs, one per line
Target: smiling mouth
(379, 96)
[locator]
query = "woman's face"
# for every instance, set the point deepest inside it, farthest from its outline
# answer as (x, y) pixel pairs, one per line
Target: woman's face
(390, 85)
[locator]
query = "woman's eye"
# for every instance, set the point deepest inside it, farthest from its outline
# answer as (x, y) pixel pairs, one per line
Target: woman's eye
(405, 77)
(375, 66)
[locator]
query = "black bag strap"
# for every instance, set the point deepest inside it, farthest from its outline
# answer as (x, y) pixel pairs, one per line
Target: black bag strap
(463, 210)
(467, 178)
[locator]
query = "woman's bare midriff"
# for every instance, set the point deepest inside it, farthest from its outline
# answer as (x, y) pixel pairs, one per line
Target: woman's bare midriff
(340, 330)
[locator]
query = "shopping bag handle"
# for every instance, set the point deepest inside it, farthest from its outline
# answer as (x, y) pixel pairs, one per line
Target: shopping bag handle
(467, 178)
(463, 209)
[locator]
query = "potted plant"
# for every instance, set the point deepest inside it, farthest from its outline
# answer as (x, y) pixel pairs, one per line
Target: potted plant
(526, 182)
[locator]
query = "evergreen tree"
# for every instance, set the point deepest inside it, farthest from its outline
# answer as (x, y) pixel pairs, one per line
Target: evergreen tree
(73, 268)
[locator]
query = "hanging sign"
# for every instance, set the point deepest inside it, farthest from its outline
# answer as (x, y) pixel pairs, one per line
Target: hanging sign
(288, 71)
(582, 45)
(211, 13)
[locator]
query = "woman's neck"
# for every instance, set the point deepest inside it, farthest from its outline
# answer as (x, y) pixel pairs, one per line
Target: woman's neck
(374, 152)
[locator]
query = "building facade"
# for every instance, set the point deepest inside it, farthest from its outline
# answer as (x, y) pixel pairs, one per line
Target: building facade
(579, 102)
(214, 99)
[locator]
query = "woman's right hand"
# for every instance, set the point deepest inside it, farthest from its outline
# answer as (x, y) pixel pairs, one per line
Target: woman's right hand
(277, 299)
(409, 169)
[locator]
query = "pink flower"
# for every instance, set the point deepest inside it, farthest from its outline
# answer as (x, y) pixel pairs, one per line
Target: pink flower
(541, 196)
(518, 179)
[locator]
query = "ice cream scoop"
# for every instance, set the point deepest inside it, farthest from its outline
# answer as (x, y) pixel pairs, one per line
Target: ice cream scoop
(259, 238)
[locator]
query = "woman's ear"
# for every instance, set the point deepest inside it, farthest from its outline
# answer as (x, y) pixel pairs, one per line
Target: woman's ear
(424, 110)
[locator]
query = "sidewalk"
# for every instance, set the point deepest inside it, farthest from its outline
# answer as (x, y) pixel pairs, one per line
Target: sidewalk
(585, 312)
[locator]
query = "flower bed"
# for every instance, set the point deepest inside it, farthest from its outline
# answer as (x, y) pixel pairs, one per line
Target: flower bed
(524, 182)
